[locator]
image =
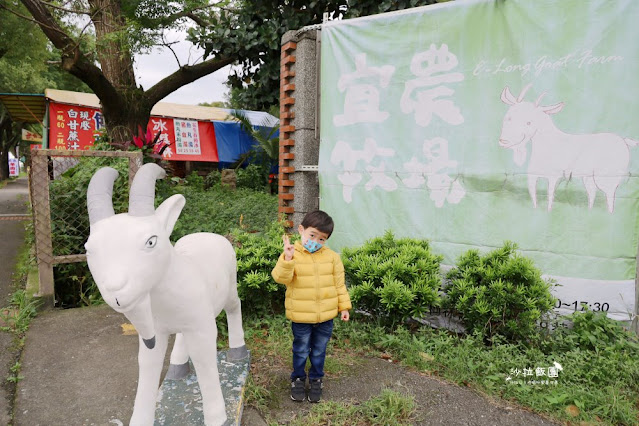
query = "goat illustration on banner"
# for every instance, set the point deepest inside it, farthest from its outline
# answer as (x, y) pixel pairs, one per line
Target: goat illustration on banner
(600, 159)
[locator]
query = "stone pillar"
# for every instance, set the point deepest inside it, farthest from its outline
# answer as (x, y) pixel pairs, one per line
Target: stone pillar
(299, 127)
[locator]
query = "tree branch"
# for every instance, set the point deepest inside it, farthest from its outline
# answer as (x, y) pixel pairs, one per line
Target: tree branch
(185, 75)
(187, 13)
(26, 18)
(73, 60)
(201, 22)
(168, 46)
(64, 9)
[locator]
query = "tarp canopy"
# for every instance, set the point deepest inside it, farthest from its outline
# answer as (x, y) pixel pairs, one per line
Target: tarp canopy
(24, 107)
(232, 141)
(161, 109)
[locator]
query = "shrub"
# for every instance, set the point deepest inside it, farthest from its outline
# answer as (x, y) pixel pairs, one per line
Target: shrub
(212, 179)
(195, 181)
(257, 254)
(252, 177)
(500, 293)
(593, 331)
(393, 279)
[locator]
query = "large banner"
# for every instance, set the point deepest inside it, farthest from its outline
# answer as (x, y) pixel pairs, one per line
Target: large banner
(470, 123)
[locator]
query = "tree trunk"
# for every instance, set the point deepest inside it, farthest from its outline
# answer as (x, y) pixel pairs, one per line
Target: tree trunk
(5, 129)
(123, 115)
(128, 109)
(4, 164)
(116, 60)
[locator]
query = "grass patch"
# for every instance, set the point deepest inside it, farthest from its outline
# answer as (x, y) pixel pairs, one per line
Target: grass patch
(15, 318)
(590, 385)
(220, 210)
(388, 408)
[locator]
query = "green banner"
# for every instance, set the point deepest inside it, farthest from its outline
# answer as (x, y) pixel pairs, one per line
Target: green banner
(469, 123)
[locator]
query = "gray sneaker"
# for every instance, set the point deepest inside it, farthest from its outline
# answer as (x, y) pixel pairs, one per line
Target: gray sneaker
(298, 390)
(315, 392)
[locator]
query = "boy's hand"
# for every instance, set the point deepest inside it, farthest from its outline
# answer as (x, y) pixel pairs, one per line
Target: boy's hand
(289, 249)
(345, 316)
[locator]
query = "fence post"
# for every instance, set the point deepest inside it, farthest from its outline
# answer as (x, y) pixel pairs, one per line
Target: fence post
(39, 180)
(135, 162)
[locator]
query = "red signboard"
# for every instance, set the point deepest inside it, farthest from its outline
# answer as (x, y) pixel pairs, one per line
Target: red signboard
(187, 140)
(74, 127)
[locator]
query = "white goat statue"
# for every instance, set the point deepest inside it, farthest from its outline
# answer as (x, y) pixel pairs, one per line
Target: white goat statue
(600, 159)
(164, 289)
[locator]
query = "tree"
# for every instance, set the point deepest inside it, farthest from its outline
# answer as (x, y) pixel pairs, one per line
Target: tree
(120, 29)
(255, 28)
(26, 60)
(8, 141)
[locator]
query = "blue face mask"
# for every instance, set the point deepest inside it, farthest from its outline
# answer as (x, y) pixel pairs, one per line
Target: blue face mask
(312, 246)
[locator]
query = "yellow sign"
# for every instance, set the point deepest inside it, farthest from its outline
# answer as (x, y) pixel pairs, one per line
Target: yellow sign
(31, 136)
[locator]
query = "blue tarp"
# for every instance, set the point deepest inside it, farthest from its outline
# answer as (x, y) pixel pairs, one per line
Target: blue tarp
(232, 141)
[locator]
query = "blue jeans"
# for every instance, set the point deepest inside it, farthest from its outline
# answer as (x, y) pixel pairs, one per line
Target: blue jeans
(309, 342)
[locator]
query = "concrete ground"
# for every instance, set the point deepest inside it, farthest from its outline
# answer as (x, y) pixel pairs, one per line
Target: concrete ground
(79, 368)
(13, 201)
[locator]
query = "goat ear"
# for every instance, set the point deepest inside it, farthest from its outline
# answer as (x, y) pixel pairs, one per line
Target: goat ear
(507, 97)
(553, 109)
(170, 210)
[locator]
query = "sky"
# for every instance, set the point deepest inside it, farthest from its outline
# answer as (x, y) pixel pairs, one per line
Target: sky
(151, 68)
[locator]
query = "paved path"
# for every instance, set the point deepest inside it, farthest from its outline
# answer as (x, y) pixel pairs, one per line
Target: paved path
(79, 368)
(13, 201)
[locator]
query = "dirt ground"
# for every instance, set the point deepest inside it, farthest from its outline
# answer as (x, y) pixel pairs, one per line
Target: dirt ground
(438, 402)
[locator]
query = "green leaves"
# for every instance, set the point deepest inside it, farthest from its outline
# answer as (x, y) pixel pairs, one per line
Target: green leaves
(393, 279)
(257, 254)
(498, 294)
(594, 331)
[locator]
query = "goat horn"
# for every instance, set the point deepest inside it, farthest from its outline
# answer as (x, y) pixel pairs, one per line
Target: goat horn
(100, 193)
(142, 194)
(538, 101)
(523, 92)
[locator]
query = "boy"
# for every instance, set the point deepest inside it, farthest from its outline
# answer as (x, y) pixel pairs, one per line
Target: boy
(315, 293)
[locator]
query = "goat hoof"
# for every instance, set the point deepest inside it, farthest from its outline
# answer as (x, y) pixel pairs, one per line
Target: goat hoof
(178, 371)
(235, 354)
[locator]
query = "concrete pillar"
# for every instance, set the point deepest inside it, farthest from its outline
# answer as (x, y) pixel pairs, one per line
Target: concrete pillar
(299, 125)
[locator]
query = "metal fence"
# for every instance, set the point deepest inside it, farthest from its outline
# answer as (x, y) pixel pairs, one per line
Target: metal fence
(58, 184)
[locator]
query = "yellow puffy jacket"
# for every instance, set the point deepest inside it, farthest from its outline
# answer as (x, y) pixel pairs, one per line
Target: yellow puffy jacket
(315, 290)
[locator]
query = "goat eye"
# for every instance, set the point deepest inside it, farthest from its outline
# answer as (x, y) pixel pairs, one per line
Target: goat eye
(151, 242)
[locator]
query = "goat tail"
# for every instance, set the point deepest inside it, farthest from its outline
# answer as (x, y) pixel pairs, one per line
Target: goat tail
(630, 142)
